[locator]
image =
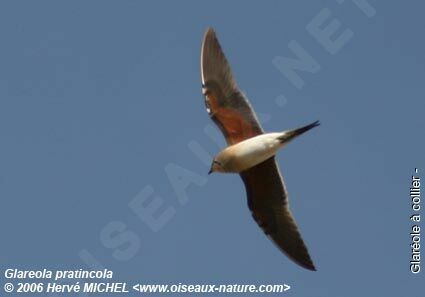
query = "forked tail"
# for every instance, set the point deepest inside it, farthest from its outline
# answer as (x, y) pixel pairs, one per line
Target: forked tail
(291, 134)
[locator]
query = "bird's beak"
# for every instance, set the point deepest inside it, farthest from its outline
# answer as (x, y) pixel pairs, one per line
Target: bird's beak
(211, 171)
(291, 134)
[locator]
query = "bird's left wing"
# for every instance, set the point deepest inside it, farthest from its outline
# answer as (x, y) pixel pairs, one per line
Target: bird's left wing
(268, 202)
(231, 111)
(226, 104)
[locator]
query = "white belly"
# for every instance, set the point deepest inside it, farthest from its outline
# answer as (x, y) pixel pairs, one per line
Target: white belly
(252, 151)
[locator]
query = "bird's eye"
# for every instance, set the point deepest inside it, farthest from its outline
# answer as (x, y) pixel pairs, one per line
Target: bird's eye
(216, 162)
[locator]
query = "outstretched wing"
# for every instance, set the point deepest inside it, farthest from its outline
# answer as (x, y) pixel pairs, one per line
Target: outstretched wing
(232, 113)
(225, 103)
(267, 199)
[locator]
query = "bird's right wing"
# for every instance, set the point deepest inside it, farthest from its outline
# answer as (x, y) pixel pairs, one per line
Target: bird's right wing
(231, 111)
(225, 103)
(268, 201)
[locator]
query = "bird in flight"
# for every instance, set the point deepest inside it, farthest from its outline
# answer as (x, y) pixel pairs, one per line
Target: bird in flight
(250, 152)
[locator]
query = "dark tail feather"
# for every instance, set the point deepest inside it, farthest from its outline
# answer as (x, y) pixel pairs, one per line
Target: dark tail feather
(289, 135)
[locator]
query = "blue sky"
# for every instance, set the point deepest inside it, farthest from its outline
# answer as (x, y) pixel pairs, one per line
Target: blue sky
(101, 105)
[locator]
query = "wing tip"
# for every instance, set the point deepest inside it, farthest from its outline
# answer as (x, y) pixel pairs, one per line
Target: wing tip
(209, 34)
(303, 261)
(309, 266)
(210, 31)
(208, 41)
